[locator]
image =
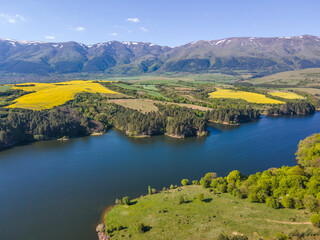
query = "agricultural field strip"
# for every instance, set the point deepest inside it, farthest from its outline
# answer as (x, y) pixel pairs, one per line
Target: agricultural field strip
(49, 95)
(286, 95)
(146, 105)
(247, 96)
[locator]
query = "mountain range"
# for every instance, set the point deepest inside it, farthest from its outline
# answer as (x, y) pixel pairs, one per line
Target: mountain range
(260, 56)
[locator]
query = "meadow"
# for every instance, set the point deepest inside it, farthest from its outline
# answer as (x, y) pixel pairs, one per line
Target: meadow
(48, 95)
(144, 89)
(286, 95)
(4, 88)
(218, 213)
(247, 96)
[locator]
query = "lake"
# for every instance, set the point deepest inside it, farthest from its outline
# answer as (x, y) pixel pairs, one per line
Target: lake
(58, 190)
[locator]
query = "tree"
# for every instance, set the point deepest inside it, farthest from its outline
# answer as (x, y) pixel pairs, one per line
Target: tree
(272, 202)
(126, 201)
(204, 182)
(149, 190)
(315, 220)
(310, 203)
(195, 182)
(287, 202)
(141, 228)
(233, 176)
(200, 197)
(185, 182)
(181, 200)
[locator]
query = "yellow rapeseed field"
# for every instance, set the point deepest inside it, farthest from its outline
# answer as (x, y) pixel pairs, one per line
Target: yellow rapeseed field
(248, 96)
(49, 95)
(286, 95)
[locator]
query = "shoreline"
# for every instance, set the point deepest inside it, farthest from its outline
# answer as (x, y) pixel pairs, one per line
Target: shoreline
(7, 147)
(105, 212)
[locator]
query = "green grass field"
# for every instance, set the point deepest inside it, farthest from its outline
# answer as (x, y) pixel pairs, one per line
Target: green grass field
(219, 213)
(147, 91)
(4, 88)
(141, 105)
(306, 77)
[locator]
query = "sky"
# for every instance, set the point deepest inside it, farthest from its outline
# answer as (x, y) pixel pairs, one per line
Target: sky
(165, 22)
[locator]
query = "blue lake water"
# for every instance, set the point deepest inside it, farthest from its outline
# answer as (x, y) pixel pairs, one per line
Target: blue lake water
(58, 190)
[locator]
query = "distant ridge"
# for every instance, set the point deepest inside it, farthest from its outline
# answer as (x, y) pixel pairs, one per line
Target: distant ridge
(257, 55)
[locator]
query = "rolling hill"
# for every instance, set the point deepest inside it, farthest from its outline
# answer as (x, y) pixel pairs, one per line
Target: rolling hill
(258, 56)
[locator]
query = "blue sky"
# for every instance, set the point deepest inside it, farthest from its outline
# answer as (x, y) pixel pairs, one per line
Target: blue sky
(164, 22)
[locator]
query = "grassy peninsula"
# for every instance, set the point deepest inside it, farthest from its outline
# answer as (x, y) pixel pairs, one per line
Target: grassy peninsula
(279, 203)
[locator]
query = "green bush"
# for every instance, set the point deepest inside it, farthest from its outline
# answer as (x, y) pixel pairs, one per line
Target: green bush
(185, 182)
(181, 200)
(272, 202)
(171, 186)
(310, 203)
(205, 183)
(153, 191)
(315, 220)
(214, 183)
(222, 237)
(262, 196)
(253, 197)
(195, 182)
(239, 237)
(126, 201)
(141, 228)
(149, 190)
(287, 202)
(222, 188)
(200, 197)
(282, 236)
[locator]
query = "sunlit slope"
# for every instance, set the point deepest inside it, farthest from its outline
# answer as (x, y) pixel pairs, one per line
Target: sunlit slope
(247, 96)
(49, 95)
(286, 95)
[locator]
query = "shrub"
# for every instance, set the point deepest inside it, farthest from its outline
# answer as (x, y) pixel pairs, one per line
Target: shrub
(282, 236)
(141, 228)
(181, 200)
(185, 182)
(171, 186)
(233, 176)
(214, 183)
(153, 191)
(297, 203)
(222, 237)
(253, 197)
(195, 182)
(222, 188)
(239, 237)
(126, 201)
(272, 202)
(200, 197)
(231, 187)
(315, 220)
(287, 202)
(310, 203)
(262, 196)
(149, 190)
(205, 183)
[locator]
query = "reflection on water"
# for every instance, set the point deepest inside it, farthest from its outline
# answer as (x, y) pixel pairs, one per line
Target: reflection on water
(57, 190)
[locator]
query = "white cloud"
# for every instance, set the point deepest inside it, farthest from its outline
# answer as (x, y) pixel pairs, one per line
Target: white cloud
(78, 29)
(12, 18)
(143, 29)
(114, 34)
(134, 20)
(50, 37)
